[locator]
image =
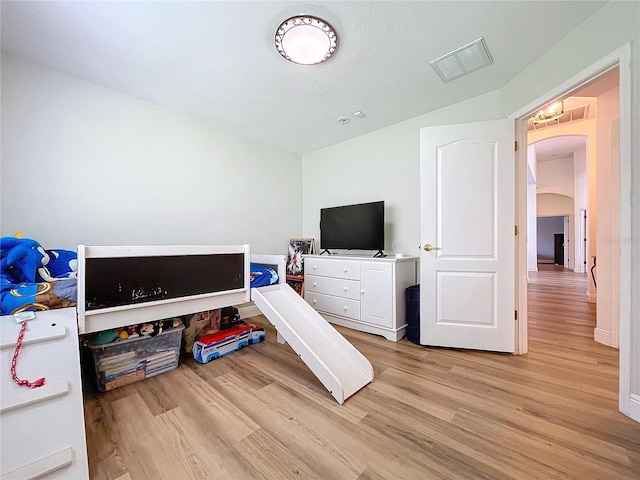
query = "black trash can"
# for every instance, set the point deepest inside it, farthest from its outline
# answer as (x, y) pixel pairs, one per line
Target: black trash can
(412, 295)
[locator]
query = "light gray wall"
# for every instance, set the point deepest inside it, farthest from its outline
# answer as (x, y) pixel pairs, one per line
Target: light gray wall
(85, 164)
(383, 165)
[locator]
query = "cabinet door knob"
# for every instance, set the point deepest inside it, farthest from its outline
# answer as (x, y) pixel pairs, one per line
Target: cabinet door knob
(346, 308)
(346, 289)
(315, 284)
(315, 301)
(315, 268)
(361, 292)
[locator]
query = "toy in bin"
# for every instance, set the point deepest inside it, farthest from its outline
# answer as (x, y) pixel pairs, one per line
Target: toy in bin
(215, 345)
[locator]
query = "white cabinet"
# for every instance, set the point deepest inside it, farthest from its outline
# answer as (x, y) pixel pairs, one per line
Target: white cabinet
(367, 294)
(42, 431)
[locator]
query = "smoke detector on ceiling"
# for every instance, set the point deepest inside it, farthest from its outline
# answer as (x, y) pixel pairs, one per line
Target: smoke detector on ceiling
(466, 59)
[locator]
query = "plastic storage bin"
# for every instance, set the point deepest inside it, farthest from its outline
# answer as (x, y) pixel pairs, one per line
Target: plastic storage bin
(127, 361)
(412, 295)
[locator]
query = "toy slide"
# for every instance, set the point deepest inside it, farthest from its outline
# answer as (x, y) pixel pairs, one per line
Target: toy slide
(341, 368)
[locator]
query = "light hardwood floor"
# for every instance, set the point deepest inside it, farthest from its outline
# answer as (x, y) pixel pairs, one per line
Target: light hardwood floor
(430, 413)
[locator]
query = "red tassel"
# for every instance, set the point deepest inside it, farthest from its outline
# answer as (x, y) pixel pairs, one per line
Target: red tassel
(14, 361)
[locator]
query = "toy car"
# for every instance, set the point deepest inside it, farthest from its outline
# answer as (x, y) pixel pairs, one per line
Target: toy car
(217, 344)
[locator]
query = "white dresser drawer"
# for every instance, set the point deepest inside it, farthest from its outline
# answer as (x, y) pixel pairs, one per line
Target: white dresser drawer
(338, 287)
(325, 267)
(344, 307)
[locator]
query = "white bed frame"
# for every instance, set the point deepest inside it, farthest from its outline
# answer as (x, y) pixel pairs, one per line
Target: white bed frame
(279, 263)
(113, 317)
(43, 432)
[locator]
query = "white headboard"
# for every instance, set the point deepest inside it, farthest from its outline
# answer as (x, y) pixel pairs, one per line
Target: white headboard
(279, 262)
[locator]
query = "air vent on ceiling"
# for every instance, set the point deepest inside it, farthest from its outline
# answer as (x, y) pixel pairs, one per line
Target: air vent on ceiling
(463, 60)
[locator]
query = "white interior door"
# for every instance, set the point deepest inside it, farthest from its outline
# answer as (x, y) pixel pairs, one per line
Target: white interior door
(467, 280)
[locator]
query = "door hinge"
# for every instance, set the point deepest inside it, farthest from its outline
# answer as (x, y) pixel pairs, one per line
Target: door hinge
(516, 314)
(515, 145)
(515, 230)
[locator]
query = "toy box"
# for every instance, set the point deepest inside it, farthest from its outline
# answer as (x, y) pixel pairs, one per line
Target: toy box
(127, 361)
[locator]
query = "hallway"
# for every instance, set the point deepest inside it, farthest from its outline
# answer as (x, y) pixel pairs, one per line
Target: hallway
(561, 329)
(559, 313)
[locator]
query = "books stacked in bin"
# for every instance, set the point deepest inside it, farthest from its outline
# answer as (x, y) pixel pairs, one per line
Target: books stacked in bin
(126, 361)
(120, 369)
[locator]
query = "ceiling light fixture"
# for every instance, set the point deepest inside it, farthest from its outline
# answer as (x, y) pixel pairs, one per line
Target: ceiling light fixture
(306, 40)
(551, 113)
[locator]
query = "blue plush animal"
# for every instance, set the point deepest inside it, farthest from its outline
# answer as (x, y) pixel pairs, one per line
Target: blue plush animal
(25, 260)
(22, 259)
(26, 283)
(62, 263)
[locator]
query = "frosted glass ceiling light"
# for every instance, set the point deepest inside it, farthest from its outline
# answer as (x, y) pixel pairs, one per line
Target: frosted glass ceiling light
(306, 40)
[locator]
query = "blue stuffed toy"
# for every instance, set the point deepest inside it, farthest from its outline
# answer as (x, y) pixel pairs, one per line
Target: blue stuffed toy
(22, 259)
(32, 278)
(25, 260)
(62, 264)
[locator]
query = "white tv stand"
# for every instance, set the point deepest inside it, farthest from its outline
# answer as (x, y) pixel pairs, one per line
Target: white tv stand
(363, 293)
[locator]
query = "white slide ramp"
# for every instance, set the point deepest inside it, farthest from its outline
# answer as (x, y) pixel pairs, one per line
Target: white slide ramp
(341, 368)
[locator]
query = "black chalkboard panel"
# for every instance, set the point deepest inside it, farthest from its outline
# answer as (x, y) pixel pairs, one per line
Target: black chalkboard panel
(117, 281)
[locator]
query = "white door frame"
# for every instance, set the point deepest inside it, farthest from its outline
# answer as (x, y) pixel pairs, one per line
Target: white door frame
(567, 233)
(629, 403)
(582, 267)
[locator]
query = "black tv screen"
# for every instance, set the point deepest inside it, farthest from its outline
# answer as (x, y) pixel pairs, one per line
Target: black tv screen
(353, 227)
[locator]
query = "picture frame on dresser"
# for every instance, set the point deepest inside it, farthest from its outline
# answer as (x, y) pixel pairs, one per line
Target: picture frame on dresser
(298, 247)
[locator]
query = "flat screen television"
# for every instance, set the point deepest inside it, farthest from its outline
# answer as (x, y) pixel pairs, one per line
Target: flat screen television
(353, 227)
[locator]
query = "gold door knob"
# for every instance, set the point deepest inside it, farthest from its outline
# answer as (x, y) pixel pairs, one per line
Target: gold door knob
(428, 247)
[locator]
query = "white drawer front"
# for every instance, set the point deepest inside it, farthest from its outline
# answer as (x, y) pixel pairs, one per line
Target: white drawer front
(324, 267)
(338, 287)
(344, 307)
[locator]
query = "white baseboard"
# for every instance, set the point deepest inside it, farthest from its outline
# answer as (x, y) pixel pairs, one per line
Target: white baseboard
(602, 336)
(533, 269)
(634, 407)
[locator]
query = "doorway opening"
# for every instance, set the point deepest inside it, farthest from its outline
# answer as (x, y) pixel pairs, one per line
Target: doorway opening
(619, 279)
(574, 163)
(552, 241)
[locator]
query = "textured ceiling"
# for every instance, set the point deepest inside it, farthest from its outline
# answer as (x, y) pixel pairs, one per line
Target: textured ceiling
(215, 60)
